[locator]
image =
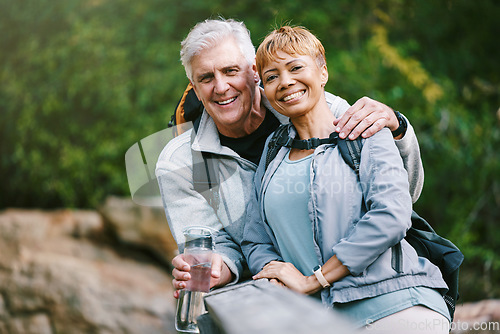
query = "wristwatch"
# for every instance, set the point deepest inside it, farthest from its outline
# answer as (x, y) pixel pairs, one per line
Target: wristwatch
(402, 125)
(319, 275)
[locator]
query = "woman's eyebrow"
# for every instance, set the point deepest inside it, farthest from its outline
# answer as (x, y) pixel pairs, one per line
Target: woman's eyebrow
(293, 60)
(270, 70)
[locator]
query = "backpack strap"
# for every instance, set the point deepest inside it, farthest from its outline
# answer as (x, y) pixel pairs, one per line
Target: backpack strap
(349, 149)
(280, 138)
(351, 152)
(188, 109)
(206, 176)
(206, 179)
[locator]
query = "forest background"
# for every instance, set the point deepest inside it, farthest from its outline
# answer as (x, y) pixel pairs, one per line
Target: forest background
(82, 81)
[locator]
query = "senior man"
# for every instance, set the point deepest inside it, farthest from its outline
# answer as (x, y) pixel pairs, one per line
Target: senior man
(219, 59)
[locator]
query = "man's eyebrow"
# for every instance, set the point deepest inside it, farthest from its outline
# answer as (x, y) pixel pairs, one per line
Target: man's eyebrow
(226, 68)
(211, 74)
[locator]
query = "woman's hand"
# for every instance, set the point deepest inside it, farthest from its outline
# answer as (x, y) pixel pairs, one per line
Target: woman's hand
(291, 277)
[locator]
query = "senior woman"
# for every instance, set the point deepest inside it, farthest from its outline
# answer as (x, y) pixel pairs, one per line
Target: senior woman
(316, 226)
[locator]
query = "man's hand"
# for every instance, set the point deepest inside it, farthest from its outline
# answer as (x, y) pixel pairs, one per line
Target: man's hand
(366, 117)
(221, 275)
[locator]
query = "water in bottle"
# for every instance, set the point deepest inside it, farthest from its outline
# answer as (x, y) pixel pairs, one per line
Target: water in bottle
(198, 254)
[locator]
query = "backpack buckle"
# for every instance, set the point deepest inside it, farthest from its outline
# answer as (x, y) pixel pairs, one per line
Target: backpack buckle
(313, 143)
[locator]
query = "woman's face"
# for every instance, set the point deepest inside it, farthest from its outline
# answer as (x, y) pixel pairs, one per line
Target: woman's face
(294, 84)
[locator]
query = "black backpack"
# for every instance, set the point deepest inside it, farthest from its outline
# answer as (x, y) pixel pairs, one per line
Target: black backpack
(421, 236)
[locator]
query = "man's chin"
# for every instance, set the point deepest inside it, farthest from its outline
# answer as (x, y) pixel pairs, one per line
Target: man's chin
(228, 122)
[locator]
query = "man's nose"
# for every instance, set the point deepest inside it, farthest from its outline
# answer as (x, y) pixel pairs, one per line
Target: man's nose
(221, 85)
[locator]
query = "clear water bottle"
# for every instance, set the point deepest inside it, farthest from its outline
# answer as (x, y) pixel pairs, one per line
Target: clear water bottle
(198, 253)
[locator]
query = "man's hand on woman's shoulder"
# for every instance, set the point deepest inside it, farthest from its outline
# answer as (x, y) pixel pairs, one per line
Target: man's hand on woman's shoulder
(366, 117)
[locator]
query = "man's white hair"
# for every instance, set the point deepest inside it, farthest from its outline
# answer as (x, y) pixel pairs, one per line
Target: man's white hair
(211, 32)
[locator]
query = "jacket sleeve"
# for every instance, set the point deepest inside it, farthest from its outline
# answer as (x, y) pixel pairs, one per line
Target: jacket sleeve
(407, 146)
(384, 183)
(184, 206)
(410, 152)
(257, 244)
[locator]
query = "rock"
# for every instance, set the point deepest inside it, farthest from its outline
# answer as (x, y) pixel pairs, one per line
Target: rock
(57, 274)
(477, 317)
(56, 278)
(38, 323)
(140, 225)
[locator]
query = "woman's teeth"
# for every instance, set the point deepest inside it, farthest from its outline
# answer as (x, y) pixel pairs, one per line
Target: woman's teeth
(293, 96)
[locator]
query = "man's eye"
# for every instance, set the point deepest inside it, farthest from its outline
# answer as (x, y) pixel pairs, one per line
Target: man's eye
(206, 79)
(232, 71)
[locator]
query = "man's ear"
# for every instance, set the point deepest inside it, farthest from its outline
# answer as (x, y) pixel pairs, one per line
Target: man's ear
(256, 77)
(324, 75)
(194, 89)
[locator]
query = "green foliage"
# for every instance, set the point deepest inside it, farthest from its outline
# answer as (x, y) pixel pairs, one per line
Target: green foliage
(82, 81)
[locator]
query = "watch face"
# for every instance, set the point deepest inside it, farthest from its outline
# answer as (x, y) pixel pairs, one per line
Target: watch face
(316, 268)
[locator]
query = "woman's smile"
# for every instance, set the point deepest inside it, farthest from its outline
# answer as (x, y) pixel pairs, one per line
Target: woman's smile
(293, 96)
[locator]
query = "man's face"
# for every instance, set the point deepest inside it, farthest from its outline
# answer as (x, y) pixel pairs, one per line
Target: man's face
(225, 83)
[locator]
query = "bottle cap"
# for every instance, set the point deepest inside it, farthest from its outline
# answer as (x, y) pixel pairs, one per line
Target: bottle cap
(199, 237)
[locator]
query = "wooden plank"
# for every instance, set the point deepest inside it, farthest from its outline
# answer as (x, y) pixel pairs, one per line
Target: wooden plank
(261, 307)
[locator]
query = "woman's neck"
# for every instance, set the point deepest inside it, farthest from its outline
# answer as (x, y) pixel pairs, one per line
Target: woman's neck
(317, 123)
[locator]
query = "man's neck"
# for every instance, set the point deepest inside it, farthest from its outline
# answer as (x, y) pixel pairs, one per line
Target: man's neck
(251, 122)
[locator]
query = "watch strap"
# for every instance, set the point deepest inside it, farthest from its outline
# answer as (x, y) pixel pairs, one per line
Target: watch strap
(402, 124)
(319, 276)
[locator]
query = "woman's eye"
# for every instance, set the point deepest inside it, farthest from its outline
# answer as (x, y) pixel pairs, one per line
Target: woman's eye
(296, 68)
(270, 78)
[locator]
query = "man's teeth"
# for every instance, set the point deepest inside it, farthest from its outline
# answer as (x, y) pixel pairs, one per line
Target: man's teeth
(227, 101)
(292, 96)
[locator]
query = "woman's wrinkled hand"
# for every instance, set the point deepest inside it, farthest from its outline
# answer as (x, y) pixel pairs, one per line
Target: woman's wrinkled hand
(288, 275)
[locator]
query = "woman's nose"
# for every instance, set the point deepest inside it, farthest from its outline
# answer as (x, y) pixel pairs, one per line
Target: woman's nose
(286, 80)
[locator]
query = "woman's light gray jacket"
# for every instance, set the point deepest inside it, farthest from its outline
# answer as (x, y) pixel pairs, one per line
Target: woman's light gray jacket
(362, 221)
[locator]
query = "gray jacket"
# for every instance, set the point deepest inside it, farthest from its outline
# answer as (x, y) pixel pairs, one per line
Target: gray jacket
(360, 220)
(186, 207)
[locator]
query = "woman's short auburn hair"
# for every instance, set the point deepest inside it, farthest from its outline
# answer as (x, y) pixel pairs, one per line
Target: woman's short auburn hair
(292, 40)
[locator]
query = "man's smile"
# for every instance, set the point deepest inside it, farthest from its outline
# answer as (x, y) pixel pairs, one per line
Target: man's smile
(226, 101)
